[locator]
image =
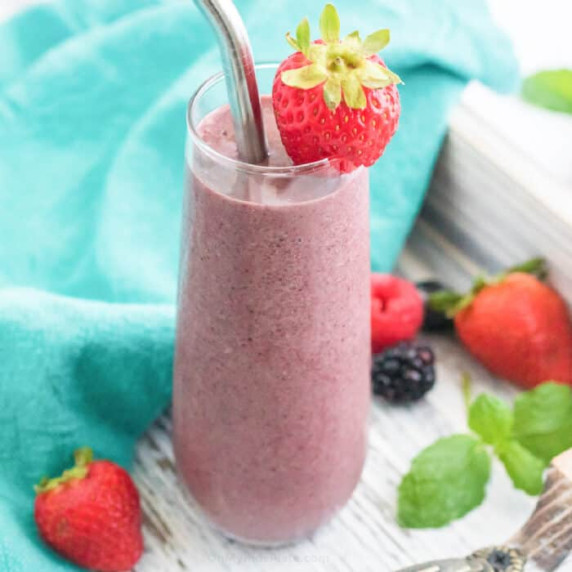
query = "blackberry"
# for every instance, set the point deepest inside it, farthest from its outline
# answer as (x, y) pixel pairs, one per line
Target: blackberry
(403, 373)
(433, 320)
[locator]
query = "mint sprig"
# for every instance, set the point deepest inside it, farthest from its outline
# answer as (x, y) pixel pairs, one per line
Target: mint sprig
(490, 418)
(543, 420)
(448, 479)
(524, 469)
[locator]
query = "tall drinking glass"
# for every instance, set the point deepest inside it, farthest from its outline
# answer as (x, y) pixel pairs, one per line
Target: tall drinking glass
(272, 372)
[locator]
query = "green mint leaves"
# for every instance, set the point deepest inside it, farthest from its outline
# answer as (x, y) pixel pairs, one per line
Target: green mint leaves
(550, 89)
(543, 420)
(524, 469)
(448, 479)
(491, 419)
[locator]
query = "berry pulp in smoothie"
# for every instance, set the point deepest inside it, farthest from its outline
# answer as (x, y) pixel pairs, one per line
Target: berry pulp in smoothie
(272, 372)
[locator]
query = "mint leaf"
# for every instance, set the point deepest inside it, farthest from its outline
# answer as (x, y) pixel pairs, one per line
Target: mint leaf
(491, 418)
(446, 481)
(551, 89)
(543, 420)
(523, 467)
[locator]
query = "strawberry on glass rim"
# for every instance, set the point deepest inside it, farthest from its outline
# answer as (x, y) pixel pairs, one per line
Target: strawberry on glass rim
(336, 99)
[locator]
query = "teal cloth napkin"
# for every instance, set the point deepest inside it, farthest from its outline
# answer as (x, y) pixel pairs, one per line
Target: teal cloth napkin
(92, 129)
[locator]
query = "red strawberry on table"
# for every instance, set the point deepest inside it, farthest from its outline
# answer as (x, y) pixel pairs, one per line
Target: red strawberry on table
(515, 325)
(336, 98)
(91, 515)
(396, 311)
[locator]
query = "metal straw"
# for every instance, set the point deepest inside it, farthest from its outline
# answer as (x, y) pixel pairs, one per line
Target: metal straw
(240, 78)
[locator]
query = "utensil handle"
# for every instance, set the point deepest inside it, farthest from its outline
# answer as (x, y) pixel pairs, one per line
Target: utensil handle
(546, 538)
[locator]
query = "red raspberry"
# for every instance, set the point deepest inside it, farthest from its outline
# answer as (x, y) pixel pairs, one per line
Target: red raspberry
(396, 311)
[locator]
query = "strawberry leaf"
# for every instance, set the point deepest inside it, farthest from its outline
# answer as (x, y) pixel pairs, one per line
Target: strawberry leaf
(395, 79)
(303, 36)
(293, 42)
(375, 76)
(306, 77)
(353, 39)
(446, 301)
(375, 42)
(537, 267)
(83, 457)
(343, 65)
(332, 93)
(354, 95)
(330, 25)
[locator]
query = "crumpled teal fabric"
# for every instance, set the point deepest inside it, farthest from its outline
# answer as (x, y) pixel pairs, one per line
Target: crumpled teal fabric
(92, 128)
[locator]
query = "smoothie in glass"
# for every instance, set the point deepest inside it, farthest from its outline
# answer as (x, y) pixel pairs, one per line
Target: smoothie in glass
(272, 371)
(272, 375)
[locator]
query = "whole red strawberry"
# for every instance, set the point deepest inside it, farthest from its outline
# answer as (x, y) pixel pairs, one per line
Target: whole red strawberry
(91, 515)
(518, 327)
(336, 99)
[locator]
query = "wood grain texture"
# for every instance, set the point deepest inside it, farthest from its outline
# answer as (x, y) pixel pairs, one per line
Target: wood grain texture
(564, 463)
(364, 537)
(547, 537)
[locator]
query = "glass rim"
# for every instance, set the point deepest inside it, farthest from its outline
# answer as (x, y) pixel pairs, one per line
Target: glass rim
(237, 164)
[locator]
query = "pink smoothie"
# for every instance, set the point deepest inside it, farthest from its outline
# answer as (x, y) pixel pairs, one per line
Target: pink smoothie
(272, 374)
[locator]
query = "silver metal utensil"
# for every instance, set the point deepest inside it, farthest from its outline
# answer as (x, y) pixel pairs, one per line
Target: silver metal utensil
(541, 545)
(240, 78)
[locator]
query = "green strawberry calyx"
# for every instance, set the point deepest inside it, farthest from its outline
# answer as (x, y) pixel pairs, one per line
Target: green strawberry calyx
(343, 66)
(83, 457)
(451, 303)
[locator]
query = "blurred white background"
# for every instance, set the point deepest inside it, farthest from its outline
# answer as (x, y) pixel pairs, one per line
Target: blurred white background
(540, 30)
